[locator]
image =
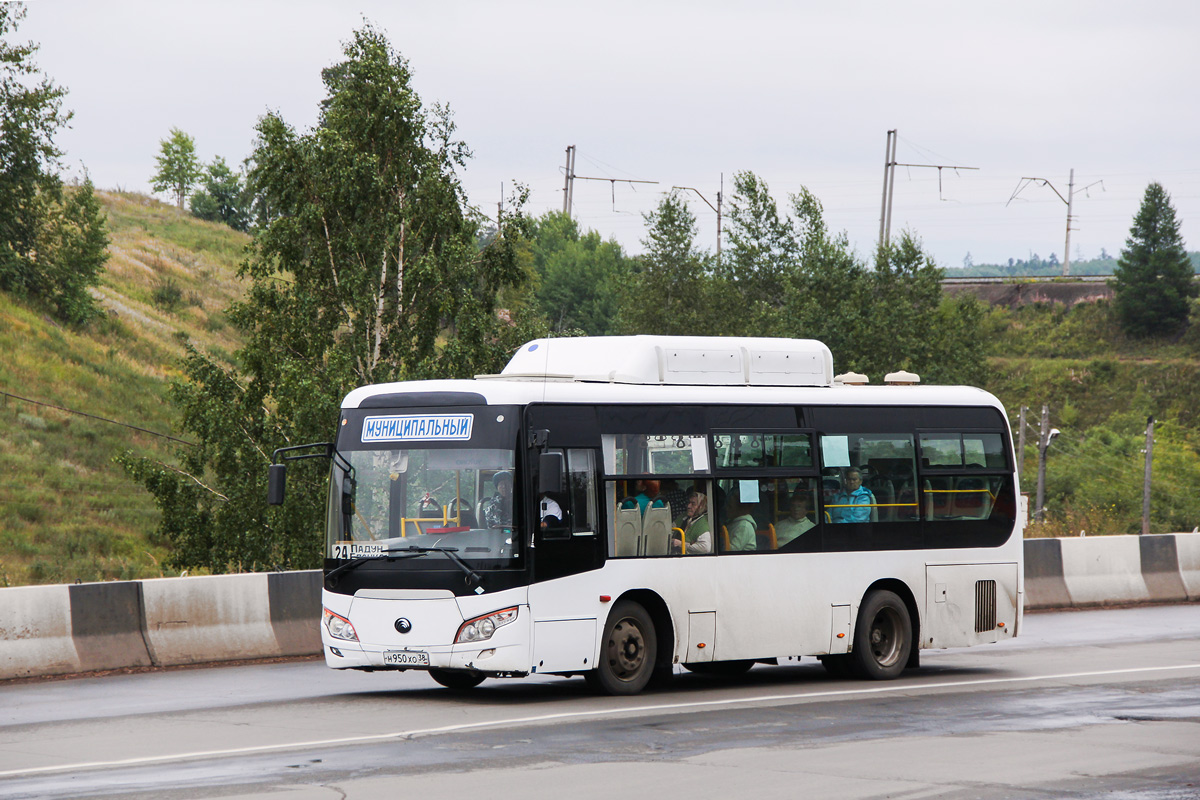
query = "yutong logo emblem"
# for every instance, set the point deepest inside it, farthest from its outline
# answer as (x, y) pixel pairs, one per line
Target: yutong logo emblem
(403, 625)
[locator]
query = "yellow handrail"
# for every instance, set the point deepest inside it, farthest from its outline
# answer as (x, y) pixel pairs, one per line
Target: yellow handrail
(418, 520)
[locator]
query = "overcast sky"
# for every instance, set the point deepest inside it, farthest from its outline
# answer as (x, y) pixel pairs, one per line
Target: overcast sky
(802, 93)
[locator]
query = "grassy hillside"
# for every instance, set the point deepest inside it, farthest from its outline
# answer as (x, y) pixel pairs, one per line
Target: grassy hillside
(69, 512)
(1100, 387)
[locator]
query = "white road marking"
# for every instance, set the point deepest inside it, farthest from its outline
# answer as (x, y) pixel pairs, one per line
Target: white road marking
(568, 715)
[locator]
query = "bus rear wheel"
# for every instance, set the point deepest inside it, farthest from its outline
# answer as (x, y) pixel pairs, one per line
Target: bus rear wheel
(882, 638)
(456, 679)
(628, 651)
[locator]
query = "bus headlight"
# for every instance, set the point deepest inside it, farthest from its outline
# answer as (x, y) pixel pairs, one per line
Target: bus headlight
(338, 626)
(481, 628)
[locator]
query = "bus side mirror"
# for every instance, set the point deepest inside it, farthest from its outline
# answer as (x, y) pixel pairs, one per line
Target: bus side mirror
(276, 484)
(550, 472)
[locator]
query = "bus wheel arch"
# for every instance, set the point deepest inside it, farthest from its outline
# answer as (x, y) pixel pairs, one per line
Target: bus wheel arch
(888, 615)
(636, 645)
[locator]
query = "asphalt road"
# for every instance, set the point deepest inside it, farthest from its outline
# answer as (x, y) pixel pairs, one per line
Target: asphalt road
(1095, 704)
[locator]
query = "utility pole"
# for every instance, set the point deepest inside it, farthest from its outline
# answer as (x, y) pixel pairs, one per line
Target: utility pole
(889, 184)
(1146, 484)
(1021, 442)
(1046, 435)
(1069, 200)
(716, 208)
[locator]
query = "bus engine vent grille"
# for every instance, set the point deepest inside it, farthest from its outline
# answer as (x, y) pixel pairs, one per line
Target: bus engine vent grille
(985, 606)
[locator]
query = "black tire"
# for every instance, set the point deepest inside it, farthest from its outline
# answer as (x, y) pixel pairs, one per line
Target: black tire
(882, 638)
(836, 665)
(628, 651)
(726, 668)
(456, 679)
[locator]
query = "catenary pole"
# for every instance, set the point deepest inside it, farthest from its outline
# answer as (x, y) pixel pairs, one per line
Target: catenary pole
(1070, 205)
(887, 166)
(567, 181)
(889, 184)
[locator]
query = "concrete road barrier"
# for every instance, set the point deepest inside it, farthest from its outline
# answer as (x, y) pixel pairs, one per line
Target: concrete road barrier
(1187, 546)
(295, 600)
(1104, 570)
(106, 623)
(35, 632)
(208, 618)
(1161, 568)
(49, 630)
(1045, 584)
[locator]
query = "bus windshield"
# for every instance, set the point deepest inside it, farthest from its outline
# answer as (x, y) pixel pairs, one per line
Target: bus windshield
(392, 499)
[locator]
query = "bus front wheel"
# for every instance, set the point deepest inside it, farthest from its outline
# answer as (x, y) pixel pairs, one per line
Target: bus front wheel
(456, 679)
(882, 638)
(628, 651)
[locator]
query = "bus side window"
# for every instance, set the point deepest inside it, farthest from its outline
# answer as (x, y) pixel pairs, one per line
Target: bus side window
(581, 490)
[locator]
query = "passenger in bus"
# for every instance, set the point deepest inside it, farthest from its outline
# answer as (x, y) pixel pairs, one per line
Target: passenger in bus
(741, 527)
(496, 510)
(854, 503)
(796, 523)
(549, 511)
(647, 495)
(697, 533)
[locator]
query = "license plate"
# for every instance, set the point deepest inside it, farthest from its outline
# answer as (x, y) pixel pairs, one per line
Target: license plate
(406, 658)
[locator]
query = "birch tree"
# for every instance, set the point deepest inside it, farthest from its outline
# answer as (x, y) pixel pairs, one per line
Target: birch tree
(178, 168)
(366, 268)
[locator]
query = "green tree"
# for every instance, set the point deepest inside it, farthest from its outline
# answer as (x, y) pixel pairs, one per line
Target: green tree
(670, 292)
(762, 252)
(1154, 278)
(365, 270)
(581, 276)
(882, 319)
(827, 294)
(72, 250)
(222, 196)
(51, 241)
(178, 166)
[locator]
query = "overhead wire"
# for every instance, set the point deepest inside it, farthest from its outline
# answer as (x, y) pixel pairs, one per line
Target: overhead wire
(96, 417)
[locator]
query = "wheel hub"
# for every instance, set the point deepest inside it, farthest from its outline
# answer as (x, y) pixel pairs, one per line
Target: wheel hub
(629, 649)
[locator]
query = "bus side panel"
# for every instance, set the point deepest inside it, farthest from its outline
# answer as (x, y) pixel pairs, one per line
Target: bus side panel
(775, 605)
(968, 604)
(567, 615)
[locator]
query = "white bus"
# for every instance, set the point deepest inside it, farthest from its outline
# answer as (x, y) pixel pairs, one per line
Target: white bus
(615, 506)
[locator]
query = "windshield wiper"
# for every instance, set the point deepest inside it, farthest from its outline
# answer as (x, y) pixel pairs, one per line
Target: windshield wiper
(473, 579)
(358, 562)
